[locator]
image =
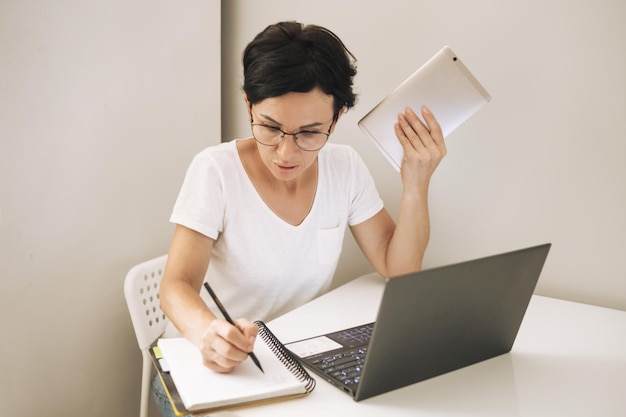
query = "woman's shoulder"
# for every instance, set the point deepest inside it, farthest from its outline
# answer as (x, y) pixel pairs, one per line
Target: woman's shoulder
(222, 154)
(223, 148)
(340, 156)
(338, 151)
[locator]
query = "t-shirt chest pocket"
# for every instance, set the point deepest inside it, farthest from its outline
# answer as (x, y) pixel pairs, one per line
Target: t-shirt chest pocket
(329, 242)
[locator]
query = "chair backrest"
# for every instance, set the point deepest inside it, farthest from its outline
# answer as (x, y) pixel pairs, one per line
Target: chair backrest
(141, 289)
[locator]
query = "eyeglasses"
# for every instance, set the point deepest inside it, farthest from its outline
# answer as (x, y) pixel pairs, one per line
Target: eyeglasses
(307, 140)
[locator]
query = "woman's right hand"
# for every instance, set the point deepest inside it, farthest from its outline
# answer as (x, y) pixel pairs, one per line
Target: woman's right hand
(224, 346)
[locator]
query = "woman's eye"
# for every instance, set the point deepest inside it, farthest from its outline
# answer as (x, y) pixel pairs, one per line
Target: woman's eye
(272, 129)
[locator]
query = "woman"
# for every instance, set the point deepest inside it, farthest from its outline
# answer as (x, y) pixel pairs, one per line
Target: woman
(263, 219)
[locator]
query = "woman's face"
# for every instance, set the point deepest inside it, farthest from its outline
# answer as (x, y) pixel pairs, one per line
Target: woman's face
(292, 113)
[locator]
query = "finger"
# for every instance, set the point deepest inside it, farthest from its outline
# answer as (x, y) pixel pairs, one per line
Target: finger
(218, 363)
(227, 354)
(249, 330)
(409, 133)
(219, 345)
(404, 141)
(416, 123)
(234, 336)
(433, 125)
(213, 359)
(422, 131)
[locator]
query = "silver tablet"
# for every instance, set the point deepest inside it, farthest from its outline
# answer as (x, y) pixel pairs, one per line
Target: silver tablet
(443, 84)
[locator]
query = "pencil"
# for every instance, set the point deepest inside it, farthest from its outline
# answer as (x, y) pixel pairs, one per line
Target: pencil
(230, 320)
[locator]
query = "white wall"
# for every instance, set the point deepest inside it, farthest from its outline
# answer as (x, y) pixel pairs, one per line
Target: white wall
(102, 106)
(543, 162)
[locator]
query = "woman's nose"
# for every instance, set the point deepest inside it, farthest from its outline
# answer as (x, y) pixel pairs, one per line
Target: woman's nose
(287, 146)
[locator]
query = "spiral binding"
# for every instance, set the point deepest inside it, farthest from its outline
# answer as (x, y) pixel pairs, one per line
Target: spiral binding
(285, 356)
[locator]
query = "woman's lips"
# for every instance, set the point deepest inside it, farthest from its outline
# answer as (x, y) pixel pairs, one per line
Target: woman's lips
(285, 167)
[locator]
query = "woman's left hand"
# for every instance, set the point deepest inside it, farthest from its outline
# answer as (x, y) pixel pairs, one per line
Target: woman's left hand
(424, 147)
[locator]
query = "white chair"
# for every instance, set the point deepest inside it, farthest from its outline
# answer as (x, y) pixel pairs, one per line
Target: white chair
(141, 289)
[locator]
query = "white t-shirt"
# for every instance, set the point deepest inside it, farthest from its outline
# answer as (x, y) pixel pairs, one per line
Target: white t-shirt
(261, 266)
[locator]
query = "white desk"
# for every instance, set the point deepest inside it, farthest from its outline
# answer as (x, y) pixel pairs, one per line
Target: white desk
(569, 359)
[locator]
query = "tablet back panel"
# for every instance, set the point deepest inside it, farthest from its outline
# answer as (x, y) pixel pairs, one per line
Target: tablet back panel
(444, 85)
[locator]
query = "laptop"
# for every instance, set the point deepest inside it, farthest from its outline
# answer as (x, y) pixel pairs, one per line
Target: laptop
(443, 84)
(429, 323)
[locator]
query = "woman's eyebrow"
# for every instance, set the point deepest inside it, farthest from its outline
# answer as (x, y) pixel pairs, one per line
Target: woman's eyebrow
(310, 125)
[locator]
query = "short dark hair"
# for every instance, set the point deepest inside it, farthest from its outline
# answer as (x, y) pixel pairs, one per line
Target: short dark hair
(291, 57)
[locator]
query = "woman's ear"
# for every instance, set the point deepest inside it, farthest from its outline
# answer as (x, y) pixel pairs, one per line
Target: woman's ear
(248, 107)
(339, 114)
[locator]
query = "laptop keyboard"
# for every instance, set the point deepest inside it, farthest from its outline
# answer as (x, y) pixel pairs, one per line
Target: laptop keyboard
(356, 336)
(346, 366)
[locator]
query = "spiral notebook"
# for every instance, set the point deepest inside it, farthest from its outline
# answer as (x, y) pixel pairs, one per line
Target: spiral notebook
(193, 388)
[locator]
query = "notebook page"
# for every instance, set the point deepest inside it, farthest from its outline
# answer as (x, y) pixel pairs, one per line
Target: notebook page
(200, 387)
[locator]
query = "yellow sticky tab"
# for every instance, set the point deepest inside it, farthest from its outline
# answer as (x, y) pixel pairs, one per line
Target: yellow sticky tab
(157, 352)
